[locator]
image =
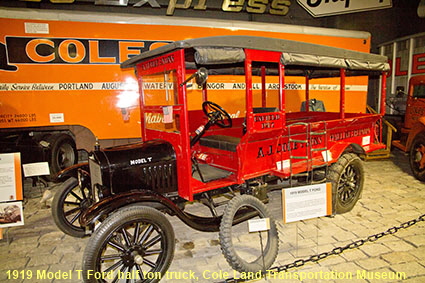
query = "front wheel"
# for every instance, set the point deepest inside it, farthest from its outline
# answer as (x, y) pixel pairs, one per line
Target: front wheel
(245, 251)
(347, 178)
(68, 204)
(135, 242)
(417, 156)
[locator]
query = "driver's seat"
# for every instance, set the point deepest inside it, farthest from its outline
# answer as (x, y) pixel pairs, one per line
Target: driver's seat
(220, 142)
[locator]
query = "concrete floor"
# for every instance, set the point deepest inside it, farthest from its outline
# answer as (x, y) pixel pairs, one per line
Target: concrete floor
(391, 196)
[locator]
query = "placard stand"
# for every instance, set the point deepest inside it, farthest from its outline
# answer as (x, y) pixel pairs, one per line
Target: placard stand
(2, 235)
(260, 225)
(303, 235)
(306, 202)
(35, 171)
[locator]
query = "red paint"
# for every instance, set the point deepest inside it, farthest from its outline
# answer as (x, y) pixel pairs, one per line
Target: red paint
(265, 147)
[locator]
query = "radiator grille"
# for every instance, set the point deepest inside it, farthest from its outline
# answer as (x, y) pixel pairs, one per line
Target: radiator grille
(161, 177)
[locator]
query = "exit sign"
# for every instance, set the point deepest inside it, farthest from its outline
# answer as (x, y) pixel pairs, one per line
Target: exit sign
(322, 8)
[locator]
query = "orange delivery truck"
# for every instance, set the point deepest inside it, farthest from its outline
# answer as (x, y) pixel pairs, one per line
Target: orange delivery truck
(62, 89)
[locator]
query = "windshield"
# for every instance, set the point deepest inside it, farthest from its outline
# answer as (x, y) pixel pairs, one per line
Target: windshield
(419, 91)
(159, 91)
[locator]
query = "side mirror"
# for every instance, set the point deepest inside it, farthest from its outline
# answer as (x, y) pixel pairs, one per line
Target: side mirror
(201, 76)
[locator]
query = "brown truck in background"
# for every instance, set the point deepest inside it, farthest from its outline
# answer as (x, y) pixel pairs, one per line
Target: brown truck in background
(412, 136)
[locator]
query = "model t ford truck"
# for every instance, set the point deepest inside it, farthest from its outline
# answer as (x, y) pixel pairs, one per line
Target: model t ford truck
(203, 154)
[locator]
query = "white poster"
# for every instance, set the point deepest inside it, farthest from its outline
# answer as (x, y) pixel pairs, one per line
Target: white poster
(306, 202)
(10, 177)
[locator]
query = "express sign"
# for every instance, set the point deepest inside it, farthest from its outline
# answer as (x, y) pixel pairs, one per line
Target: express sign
(274, 7)
(321, 8)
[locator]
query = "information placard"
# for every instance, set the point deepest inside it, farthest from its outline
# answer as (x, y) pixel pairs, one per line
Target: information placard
(258, 225)
(306, 202)
(10, 177)
(36, 169)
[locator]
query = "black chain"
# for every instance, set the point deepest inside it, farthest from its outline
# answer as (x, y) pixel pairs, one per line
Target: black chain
(338, 250)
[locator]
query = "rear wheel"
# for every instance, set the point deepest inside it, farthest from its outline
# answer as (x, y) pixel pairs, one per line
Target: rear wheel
(417, 156)
(263, 246)
(62, 152)
(347, 178)
(136, 242)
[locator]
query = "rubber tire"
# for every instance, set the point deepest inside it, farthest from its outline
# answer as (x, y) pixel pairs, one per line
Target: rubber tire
(58, 209)
(336, 171)
(417, 140)
(57, 143)
(117, 220)
(225, 236)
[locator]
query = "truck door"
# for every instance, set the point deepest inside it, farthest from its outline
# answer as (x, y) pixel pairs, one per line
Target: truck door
(415, 103)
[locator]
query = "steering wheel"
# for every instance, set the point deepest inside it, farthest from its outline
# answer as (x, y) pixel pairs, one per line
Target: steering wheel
(216, 114)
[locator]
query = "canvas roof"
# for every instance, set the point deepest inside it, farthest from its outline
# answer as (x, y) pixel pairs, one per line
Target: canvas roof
(221, 49)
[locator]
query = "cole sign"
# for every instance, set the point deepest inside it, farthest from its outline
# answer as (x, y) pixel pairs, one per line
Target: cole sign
(322, 8)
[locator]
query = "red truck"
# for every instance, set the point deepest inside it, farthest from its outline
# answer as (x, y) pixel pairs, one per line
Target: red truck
(203, 154)
(413, 131)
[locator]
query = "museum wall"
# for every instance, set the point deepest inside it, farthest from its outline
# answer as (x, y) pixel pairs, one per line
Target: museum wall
(384, 25)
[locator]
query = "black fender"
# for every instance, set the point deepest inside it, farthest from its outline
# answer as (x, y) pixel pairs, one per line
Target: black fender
(71, 171)
(146, 197)
(356, 148)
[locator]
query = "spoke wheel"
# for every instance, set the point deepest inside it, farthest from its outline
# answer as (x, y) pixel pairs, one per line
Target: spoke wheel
(347, 178)
(262, 250)
(68, 204)
(134, 244)
(417, 157)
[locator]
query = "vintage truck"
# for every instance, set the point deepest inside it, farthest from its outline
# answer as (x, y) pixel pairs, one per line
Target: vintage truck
(203, 154)
(412, 137)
